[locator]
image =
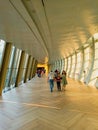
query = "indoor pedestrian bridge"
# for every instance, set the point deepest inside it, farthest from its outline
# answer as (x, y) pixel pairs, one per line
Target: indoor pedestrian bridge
(42, 36)
(32, 106)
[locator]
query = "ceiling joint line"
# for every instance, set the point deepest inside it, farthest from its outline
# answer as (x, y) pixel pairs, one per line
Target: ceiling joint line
(27, 24)
(48, 25)
(36, 26)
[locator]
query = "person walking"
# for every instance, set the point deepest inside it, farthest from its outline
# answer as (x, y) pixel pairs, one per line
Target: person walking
(58, 81)
(51, 80)
(64, 80)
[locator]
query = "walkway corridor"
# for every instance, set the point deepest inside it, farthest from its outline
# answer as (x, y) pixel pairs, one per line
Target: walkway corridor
(33, 107)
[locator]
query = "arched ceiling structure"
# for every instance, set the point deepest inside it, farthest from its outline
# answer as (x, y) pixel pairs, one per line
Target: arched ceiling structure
(48, 29)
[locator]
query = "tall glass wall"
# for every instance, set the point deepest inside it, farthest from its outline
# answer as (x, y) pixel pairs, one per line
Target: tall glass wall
(83, 65)
(13, 65)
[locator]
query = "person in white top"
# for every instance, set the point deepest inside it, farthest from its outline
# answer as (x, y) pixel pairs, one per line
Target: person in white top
(51, 80)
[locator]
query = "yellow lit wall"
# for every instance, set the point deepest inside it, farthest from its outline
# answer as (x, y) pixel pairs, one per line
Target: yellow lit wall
(45, 66)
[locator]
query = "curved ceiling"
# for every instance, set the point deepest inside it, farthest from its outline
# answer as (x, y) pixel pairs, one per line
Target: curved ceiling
(48, 29)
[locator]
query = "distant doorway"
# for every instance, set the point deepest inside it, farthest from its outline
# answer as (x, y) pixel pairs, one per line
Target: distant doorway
(40, 71)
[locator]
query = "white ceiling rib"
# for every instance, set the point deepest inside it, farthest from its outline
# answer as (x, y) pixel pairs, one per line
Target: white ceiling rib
(35, 30)
(32, 12)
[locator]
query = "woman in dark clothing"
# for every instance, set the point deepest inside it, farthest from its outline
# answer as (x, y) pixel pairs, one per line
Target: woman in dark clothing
(58, 81)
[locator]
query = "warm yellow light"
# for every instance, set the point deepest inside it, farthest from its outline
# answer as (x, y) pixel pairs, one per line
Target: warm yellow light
(45, 66)
(95, 36)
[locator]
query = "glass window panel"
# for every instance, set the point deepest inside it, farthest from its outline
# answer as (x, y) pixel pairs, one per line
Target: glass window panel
(73, 66)
(86, 59)
(15, 67)
(86, 63)
(69, 65)
(2, 47)
(78, 65)
(9, 70)
(95, 67)
(65, 64)
(25, 65)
